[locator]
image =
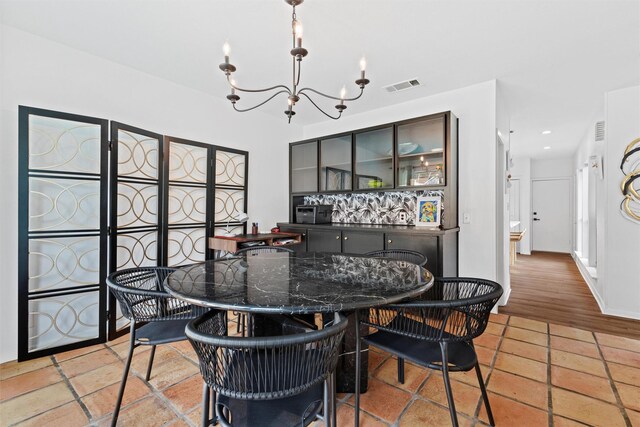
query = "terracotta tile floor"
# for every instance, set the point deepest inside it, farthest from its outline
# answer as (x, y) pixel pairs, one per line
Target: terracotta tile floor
(536, 374)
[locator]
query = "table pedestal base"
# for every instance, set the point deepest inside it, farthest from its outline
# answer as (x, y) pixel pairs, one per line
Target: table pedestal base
(346, 369)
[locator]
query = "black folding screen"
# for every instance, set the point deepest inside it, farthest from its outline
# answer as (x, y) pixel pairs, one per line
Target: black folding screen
(136, 206)
(156, 201)
(62, 231)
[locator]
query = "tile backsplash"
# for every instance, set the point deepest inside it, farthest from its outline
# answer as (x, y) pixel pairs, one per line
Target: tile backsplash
(373, 208)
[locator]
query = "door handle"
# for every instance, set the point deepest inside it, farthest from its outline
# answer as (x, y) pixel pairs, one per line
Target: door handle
(536, 219)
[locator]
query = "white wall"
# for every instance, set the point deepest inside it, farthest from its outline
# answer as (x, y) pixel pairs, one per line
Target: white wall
(552, 168)
(621, 256)
(39, 73)
(522, 170)
(475, 107)
(617, 286)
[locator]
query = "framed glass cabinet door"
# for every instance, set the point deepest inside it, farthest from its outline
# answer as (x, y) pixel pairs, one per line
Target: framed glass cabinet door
(421, 155)
(374, 159)
(335, 164)
(304, 167)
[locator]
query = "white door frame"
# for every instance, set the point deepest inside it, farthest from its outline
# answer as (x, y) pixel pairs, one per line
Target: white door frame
(571, 205)
(503, 273)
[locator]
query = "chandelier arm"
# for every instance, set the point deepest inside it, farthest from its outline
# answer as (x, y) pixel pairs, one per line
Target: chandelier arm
(329, 96)
(244, 110)
(320, 109)
(258, 90)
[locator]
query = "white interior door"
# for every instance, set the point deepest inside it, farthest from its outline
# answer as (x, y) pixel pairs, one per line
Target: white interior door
(551, 209)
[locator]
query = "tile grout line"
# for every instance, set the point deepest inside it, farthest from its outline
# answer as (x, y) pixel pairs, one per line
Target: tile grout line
(621, 406)
(75, 395)
(414, 396)
(476, 413)
(549, 385)
(154, 391)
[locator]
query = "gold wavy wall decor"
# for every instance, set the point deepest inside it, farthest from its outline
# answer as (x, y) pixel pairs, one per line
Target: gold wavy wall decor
(630, 185)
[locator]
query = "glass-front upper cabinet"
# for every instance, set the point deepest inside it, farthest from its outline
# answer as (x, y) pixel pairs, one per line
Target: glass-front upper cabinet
(304, 167)
(374, 159)
(421, 154)
(335, 164)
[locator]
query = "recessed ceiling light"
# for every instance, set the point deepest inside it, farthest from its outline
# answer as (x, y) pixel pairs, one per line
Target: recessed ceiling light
(546, 132)
(547, 148)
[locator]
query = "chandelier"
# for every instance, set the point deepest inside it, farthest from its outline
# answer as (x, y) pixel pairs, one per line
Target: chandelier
(294, 92)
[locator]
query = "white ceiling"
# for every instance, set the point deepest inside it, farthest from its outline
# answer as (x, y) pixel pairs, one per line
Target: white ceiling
(555, 59)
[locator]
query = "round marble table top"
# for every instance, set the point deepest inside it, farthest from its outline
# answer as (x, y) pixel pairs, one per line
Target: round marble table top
(302, 283)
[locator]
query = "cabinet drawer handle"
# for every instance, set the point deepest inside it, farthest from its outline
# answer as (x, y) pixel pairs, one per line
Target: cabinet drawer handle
(304, 234)
(389, 241)
(337, 237)
(346, 238)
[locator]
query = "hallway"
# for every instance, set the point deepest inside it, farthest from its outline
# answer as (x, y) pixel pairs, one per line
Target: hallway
(548, 286)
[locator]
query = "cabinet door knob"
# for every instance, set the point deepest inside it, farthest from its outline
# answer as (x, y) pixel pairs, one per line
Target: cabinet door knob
(346, 238)
(304, 234)
(337, 237)
(389, 241)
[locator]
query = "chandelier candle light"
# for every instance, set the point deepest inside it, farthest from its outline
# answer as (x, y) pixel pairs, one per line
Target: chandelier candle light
(294, 93)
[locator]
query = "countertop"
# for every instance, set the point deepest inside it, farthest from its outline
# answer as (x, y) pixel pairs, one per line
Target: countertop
(386, 228)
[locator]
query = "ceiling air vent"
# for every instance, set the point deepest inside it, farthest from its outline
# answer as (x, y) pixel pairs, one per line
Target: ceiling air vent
(599, 131)
(407, 84)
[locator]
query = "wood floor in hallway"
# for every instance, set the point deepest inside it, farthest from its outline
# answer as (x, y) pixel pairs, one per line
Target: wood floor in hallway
(548, 286)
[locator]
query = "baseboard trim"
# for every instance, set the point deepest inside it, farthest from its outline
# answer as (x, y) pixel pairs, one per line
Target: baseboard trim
(590, 281)
(505, 298)
(622, 313)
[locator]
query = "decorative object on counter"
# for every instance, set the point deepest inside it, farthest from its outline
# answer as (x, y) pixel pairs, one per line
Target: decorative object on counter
(241, 217)
(630, 185)
(294, 93)
(428, 211)
(254, 228)
(391, 207)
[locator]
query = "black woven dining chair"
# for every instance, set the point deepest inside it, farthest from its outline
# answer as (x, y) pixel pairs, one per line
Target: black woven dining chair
(400, 255)
(265, 381)
(143, 300)
(436, 329)
(241, 325)
(407, 256)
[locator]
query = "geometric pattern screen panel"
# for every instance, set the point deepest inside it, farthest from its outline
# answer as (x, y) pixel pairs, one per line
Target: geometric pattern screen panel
(230, 168)
(64, 319)
(230, 189)
(62, 232)
(187, 210)
(135, 205)
(135, 197)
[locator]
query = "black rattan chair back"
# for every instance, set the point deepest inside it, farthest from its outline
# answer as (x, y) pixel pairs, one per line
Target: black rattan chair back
(140, 292)
(436, 330)
(142, 297)
(255, 250)
(401, 255)
(263, 368)
(453, 309)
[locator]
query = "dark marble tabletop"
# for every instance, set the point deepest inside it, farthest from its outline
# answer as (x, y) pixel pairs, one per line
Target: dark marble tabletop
(303, 283)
